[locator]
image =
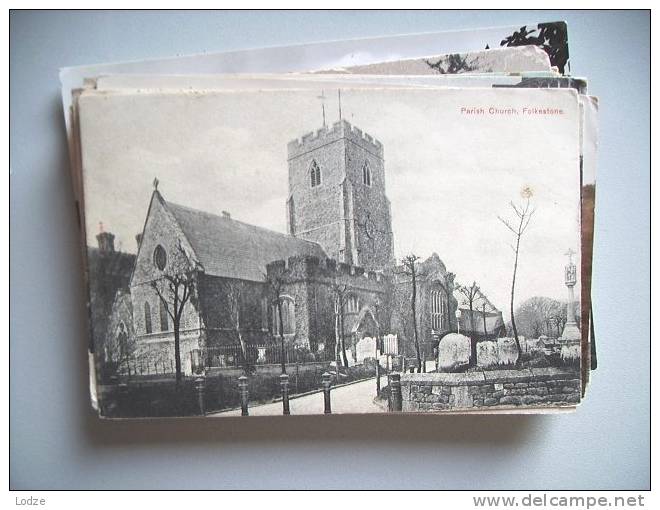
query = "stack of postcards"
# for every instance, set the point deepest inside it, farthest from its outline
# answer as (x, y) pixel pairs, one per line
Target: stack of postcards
(400, 224)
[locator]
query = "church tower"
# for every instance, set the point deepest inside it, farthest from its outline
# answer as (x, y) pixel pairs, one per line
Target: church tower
(337, 195)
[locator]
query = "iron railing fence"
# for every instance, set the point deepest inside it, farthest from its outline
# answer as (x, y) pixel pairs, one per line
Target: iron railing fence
(236, 356)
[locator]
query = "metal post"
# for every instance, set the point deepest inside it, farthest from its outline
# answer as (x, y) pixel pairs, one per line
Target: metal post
(424, 362)
(325, 380)
(243, 392)
(395, 386)
(284, 383)
(377, 377)
(123, 399)
(200, 384)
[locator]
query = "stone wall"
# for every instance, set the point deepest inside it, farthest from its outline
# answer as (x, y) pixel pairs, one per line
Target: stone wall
(160, 229)
(434, 278)
(216, 305)
(535, 387)
(309, 283)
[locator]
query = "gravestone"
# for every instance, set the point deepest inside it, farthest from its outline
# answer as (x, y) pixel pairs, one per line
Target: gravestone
(533, 345)
(365, 348)
(487, 354)
(570, 352)
(453, 352)
(507, 352)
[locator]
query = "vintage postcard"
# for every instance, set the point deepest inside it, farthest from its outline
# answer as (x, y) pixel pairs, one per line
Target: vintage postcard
(299, 252)
(588, 136)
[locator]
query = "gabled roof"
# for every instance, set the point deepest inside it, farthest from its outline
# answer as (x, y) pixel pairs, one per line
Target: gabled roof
(480, 299)
(233, 249)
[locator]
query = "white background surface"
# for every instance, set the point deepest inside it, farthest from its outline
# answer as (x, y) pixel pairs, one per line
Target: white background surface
(57, 442)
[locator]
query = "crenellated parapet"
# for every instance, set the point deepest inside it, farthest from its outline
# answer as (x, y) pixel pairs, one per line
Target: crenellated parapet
(312, 268)
(339, 130)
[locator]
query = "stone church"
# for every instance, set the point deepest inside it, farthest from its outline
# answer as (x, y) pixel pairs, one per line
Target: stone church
(339, 243)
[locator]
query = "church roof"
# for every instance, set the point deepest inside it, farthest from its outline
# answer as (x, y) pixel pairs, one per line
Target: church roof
(233, 249)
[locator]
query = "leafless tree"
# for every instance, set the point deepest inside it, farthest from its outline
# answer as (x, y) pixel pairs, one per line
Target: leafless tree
(449, 287)
(233, 290)
(471, 294)
(483, 316)
(538, 316)
(411, 269)
(523, 215)
(559, 320)
(276, 282)
(339, 293)
(175, 288)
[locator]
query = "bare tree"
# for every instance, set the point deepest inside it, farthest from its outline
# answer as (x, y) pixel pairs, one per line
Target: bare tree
(448, 287)
(276, 282)
(483, 316)
(411, 269)
(523, 215)
(175, 288)
(233, 291)
(538, 316)
(339, 294)
(471, 294)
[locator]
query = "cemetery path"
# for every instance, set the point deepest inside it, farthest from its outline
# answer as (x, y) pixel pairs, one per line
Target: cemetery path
(352, 398)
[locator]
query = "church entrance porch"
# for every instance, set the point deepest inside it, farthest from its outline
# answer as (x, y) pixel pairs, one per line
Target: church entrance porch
(364, 336)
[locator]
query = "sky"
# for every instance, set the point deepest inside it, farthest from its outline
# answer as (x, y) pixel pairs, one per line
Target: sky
(448, 175)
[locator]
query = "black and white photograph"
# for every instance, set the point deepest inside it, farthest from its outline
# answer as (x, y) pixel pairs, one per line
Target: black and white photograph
(344, 251)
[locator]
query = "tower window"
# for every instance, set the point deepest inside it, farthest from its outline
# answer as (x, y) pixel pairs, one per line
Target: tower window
(315, 174)
(147, 318)
(366, 174)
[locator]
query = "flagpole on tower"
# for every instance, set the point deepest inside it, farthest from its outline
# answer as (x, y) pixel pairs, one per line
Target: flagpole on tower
(339, 97)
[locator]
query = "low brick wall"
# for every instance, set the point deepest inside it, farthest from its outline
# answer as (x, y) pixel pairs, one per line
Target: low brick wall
(534, 387)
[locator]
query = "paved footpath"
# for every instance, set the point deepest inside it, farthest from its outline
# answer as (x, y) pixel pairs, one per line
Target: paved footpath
(352, 398)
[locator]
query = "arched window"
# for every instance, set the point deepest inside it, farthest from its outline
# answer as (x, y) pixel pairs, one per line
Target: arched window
(352, 304)
(438, 304)
(315, 174)
(288, 317)
(147, 318)
(164, 326)
(366, 174)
